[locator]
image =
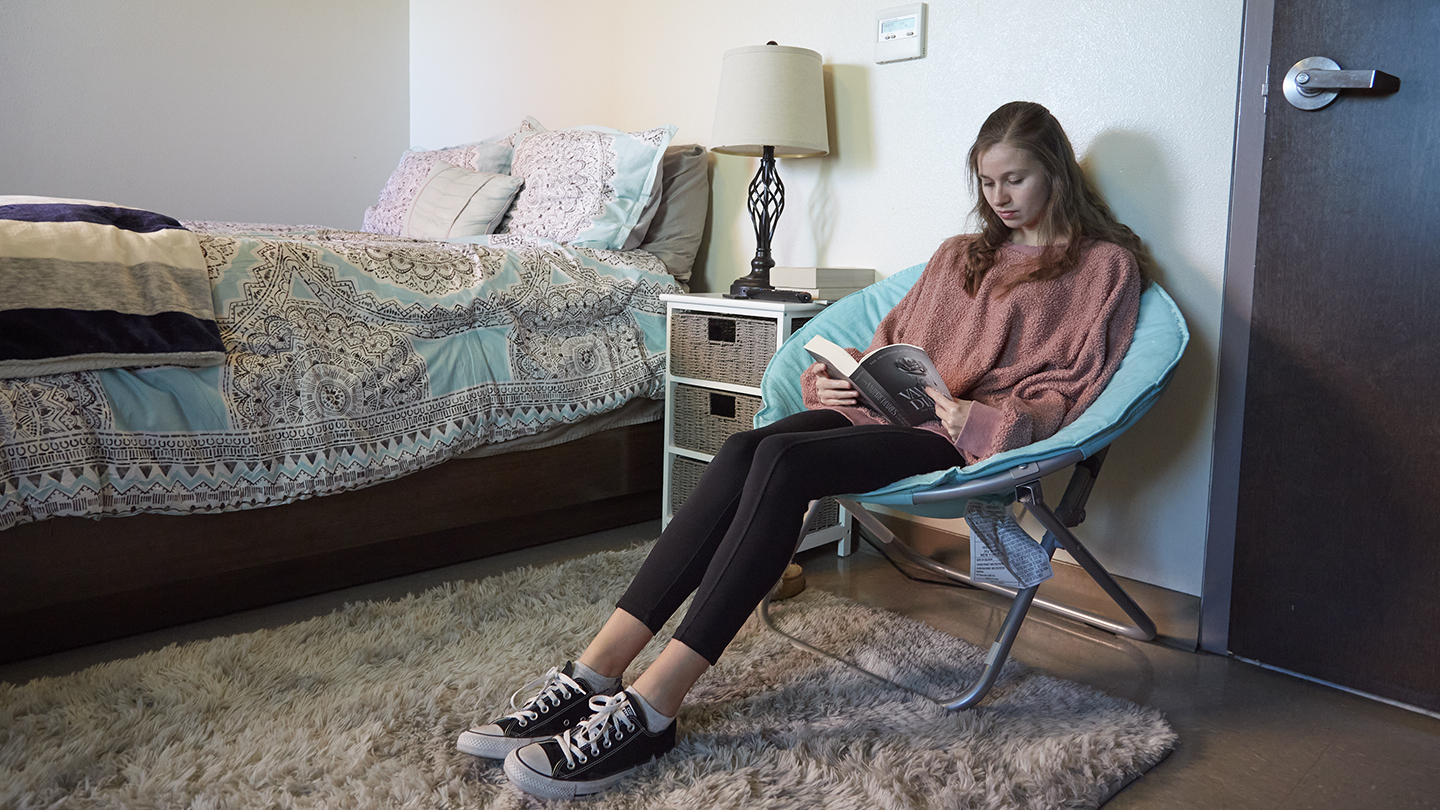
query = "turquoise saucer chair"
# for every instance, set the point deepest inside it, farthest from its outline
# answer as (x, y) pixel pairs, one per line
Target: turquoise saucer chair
(1160, 339)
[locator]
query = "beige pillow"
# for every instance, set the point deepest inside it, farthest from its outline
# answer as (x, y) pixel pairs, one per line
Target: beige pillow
(453, 202)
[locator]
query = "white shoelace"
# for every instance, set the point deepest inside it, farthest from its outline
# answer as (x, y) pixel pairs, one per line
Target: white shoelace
(553, 686)
(609, 716)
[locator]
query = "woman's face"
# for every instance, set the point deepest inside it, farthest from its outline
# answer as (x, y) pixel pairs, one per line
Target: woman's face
(1016, 189)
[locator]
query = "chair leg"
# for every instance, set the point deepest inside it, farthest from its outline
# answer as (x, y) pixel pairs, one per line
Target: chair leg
(999, 650)
(1143, 628)
(847, 543)
(994, 661)
(1030, 494)
(811, 512)
(1056, 533)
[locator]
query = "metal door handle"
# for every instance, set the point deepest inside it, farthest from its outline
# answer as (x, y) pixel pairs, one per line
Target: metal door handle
(1315, 82)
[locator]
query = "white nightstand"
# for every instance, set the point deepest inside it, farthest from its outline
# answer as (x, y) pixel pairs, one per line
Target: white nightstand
(717, 351)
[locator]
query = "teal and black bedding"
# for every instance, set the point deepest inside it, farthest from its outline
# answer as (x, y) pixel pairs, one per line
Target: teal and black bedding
(349, 358)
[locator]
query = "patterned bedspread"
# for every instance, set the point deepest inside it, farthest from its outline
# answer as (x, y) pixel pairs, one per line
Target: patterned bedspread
(351, 358)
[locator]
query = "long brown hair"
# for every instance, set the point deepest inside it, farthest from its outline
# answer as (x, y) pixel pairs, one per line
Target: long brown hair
(1074, 213)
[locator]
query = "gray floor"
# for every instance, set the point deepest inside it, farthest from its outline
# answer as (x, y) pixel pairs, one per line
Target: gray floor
(1249, 738)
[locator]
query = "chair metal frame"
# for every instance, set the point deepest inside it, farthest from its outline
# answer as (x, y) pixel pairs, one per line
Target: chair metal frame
(1025, 479)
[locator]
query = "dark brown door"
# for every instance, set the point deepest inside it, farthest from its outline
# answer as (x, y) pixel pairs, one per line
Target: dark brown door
(1337, 547)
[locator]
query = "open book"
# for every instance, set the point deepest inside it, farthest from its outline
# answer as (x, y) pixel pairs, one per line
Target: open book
(890, 379)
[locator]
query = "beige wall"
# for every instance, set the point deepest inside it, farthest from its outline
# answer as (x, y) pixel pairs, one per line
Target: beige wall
(290, 111)
(1146, 90)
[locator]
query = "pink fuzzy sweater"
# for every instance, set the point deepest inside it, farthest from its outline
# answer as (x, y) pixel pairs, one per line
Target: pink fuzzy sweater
(1031, 360)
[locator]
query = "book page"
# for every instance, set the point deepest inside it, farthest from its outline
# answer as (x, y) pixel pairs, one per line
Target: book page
(909, 346)
(833, 355)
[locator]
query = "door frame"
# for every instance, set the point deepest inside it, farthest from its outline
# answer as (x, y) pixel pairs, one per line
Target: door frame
(1235, 311)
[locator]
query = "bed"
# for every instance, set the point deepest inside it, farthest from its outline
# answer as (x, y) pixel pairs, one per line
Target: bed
(296, 409)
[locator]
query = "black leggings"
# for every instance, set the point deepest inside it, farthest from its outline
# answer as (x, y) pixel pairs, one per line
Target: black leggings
(738, 530)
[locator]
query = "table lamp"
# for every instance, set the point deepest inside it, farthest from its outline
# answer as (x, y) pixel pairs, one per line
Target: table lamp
(772, 105)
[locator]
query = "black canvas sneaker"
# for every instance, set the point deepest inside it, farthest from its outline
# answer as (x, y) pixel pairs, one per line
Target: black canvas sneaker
(592, 756)
(561, 702)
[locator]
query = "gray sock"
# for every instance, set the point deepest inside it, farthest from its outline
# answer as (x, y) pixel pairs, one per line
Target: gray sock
(601, 684)
(654, 720)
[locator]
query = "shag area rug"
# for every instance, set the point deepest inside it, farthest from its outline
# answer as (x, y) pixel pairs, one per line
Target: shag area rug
(361, 708)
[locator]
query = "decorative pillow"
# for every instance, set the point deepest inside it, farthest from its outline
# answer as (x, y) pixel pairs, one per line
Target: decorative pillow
(679, 223)
(458, 202)
(586, 186)
(387, 216)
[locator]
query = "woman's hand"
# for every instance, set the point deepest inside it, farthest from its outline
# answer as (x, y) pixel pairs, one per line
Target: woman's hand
(833, 392)
(952, 413)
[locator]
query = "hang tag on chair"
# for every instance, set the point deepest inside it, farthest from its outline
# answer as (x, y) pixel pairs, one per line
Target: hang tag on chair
(1002, 553)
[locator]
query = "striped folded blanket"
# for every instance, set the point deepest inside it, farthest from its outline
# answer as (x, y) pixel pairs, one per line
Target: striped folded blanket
(89, 285)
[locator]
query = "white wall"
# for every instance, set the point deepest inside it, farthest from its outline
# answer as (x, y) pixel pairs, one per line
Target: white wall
(1119, 76)
(289, 111)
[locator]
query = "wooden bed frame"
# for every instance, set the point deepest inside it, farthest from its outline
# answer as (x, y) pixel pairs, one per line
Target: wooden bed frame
(69, 582)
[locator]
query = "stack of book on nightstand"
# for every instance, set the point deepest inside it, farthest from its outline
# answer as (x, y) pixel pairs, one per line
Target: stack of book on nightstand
(823, 283)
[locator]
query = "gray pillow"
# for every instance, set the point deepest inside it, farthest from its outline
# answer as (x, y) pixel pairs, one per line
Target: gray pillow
(679, 222)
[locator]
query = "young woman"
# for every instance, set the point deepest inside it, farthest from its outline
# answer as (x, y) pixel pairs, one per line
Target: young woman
(1026, 321)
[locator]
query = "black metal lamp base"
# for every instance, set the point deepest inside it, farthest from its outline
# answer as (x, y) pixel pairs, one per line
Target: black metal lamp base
(766, 201)
(744, 286)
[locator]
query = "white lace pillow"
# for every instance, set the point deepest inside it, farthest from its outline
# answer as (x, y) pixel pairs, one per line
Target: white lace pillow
(387, 216)
(587, 186)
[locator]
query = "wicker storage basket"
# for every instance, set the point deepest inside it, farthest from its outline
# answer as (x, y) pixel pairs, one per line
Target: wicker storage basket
(684, 475)
(704, 419)
(722, 348)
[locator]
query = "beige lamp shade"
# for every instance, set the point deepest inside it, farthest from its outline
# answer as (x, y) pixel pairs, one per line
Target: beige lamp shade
(771, 95)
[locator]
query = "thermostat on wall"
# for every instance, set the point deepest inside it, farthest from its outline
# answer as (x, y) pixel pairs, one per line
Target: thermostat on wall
(900, 33)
